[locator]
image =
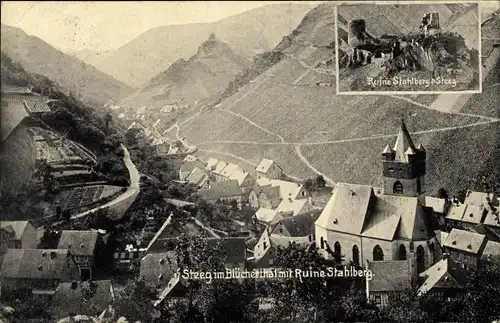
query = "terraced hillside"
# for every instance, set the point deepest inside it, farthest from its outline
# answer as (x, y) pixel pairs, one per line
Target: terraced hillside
(292, 116)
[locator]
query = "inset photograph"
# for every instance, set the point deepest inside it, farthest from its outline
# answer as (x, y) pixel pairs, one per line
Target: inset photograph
(408, 48)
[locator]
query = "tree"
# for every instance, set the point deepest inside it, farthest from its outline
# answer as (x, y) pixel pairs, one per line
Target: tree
(406, 307)
(320, 181)
(135, 301)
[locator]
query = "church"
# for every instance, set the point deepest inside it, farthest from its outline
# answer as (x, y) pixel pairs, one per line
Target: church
(362, 222)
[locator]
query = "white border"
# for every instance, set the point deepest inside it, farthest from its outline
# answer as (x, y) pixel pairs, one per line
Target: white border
(480, 50)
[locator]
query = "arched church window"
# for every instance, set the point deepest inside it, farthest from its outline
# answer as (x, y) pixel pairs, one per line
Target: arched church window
(378, 254)
(337, 249)
(322, 243)
(355, 255)
(402, 252)
(397, 188)
(420, 259)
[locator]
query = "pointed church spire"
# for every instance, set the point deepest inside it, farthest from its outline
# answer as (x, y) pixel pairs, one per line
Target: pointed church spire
(403, 142)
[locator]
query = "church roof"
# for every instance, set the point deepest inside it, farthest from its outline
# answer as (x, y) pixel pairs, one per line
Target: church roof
(403, 142)
(356, 209)
(387, 150)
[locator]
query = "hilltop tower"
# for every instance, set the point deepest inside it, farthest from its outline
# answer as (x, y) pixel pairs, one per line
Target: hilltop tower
(404, 167)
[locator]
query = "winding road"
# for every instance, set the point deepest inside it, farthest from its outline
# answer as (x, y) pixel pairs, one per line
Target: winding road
(129, 195)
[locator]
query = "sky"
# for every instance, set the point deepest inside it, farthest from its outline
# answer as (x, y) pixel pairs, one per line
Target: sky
(76, 25)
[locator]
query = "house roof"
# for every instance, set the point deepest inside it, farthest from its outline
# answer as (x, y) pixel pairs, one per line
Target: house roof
(492, 219)
(155, 264)
(190, 166)
(286, 189)
(299, 226)
(220, 167)
(211, 162)
(356, 209)
(441, 236)
(233, 248)
(403, 142)
(479, 198)
(37, 264)
(389, 276)
(265, 165)
(79, 243)
(230, 169)
(176, 286)
(197, 176)
(465, 241)
(220, 190)
(269, 191)
(474, 214)
(240, 176)
(446, 273)
(68, 298)
(456, 212)
(159, 233)
(491, 252)
(266, 215)
(435, 203)
(294, 206)
(18, 227)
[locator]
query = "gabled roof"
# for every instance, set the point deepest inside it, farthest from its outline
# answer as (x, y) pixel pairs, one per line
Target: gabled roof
(441, 236)
(265, 165)
(270, 192)
(293, 207)
(239, 176)
(220, 190)
(287, 189)
(465, 241)
(230, 169)
(68, 298)
(435, 203)
(389, 276)
(456, 212)
(403, 142)
(79, 243)
(211, 162)
(220, 167)
(491, 252)
(346, 209)
(446, 273)
(233, 248)
(299, 226)
(266, 215)
(159, 233)
(197, 176)
(177, 286)
(155, 264)
(492, 219)
(17, 227)
(38, 264)
(190, 166)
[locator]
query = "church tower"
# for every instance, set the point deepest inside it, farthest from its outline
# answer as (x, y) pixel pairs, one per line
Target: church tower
(404, 167)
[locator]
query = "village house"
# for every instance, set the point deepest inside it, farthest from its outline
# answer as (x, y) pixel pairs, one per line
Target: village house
(199, 177)
(266, 196)
(211, 164)
(245, 180)
(175, 291)
(478, 208)
(445, 279)
(158, 268)
(298, 230)
(491, 253)
(390, 223)
(269, 169)
(287, 208)
(18, 234)
(465, 247)
(67, 299)
(389, 278)
(187, 167)
(84, 246)
(37, 271)
(227, 191)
